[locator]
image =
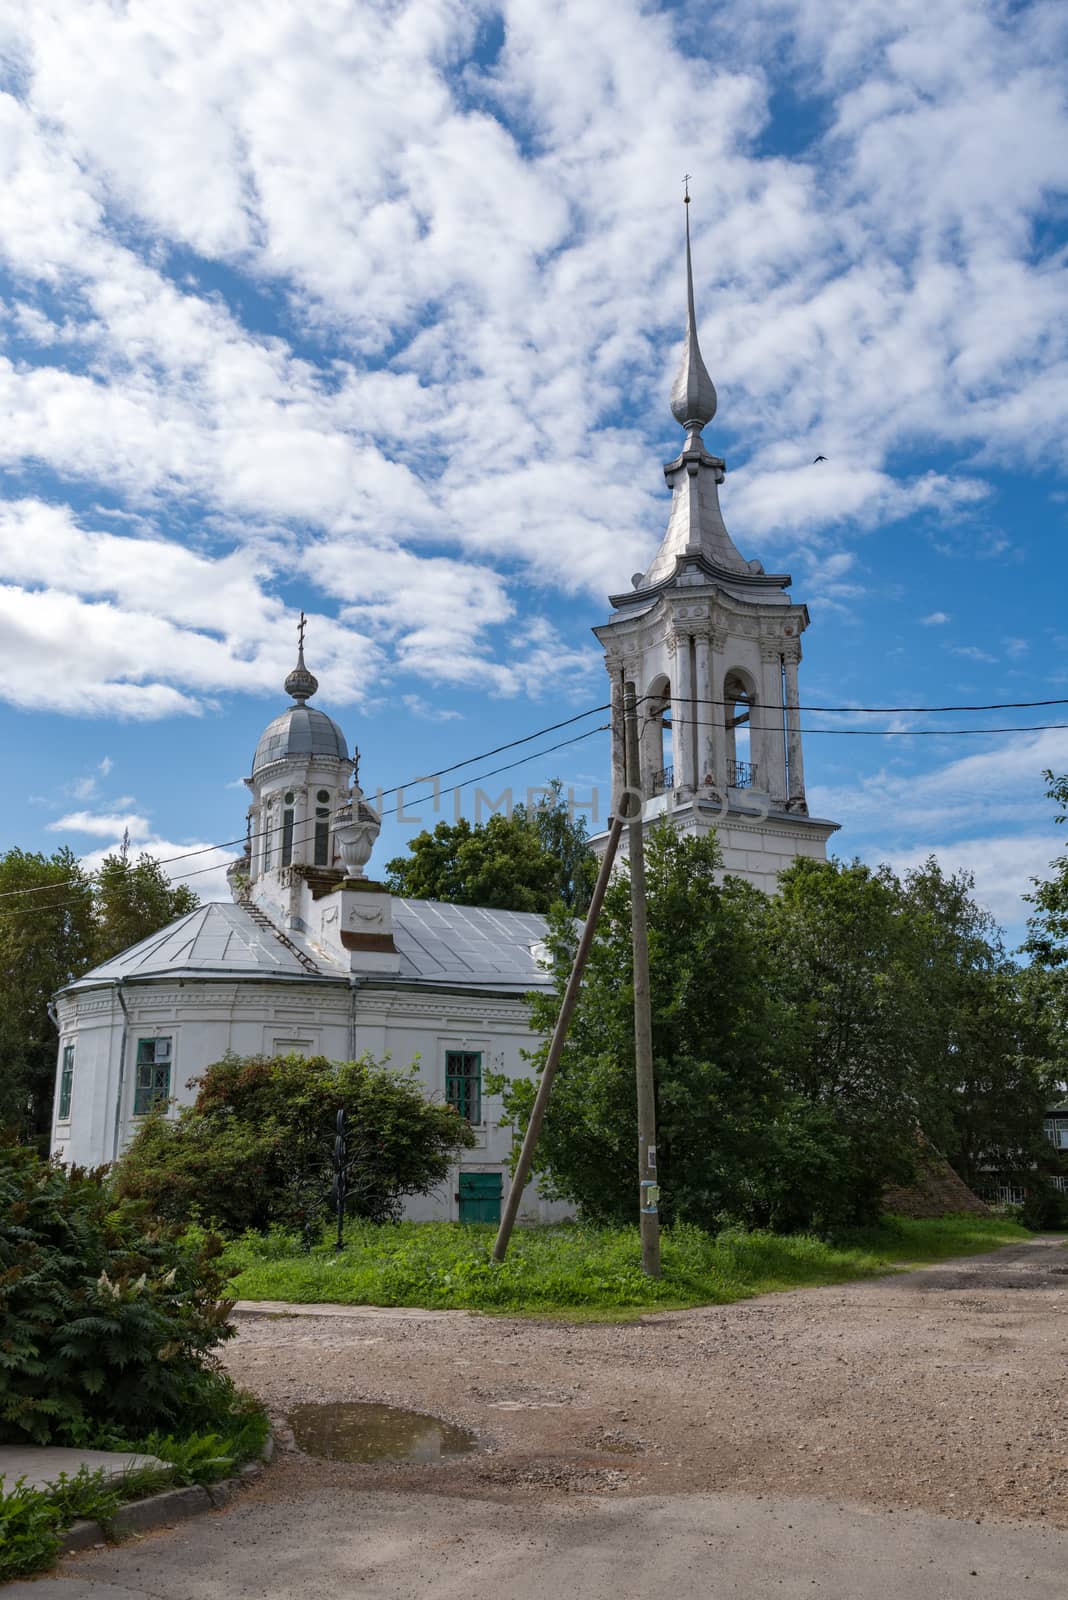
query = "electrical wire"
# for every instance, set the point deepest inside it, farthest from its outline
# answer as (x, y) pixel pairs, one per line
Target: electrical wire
(423, 777)
(241, 839)
(214, 867)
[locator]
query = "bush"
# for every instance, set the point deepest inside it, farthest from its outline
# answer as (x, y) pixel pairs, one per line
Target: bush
(1045, 1207)
(108, 1320)
(29, 1531)
(256, 1148)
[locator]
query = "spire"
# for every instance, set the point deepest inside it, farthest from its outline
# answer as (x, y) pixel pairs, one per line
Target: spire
(693, 395)
(301, 683)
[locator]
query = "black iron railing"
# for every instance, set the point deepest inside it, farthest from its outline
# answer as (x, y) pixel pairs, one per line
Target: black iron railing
(663, 780)
(741, 774)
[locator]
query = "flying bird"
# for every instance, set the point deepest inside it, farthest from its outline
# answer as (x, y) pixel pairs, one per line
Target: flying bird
(819, 459)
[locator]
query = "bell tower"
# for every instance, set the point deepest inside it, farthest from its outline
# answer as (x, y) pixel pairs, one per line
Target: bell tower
(712, 645)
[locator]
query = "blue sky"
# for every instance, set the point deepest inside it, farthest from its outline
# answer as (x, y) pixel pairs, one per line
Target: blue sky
(374, 312)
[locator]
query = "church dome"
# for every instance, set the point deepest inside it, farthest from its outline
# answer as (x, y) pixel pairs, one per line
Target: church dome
(300, 734)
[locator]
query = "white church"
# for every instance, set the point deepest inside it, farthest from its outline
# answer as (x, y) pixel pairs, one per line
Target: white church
(315, 957)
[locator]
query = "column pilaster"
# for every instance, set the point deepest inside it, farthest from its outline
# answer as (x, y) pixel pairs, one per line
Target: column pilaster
(795, 760)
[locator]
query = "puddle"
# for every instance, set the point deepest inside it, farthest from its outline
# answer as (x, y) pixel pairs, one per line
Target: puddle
(358, 1431)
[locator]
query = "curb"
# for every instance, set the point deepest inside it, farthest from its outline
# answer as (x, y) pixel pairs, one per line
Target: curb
(164, 1509)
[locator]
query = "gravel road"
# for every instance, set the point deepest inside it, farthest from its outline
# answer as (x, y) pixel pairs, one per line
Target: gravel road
(941, 1390)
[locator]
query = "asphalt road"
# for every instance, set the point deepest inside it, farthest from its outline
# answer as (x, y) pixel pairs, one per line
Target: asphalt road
(399, 1546)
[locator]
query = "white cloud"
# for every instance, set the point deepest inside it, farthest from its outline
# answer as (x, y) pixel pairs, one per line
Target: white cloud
(936, 619)
(105, 825)
(201, 867)
(475, 307)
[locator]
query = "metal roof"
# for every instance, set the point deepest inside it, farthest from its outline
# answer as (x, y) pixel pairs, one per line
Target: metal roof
(302, 732)
(465, 947)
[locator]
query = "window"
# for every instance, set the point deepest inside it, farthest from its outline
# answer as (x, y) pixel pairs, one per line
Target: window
(322, 836)
(287, 837)
(267, 846)
(153, 1083)
(66, 1083)
(463, 1082)
(323, 797)
(1056, 1131)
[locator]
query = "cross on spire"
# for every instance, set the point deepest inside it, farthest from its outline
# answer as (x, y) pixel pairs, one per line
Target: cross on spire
(301, 625)
(686, 188)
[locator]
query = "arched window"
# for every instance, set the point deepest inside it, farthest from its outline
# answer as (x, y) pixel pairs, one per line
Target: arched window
(267, 830)
(739, 696)
(656, 757)
(287, 829)
(322, 828)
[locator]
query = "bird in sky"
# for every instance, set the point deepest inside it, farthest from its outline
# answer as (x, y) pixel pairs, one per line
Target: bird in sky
(818, 460)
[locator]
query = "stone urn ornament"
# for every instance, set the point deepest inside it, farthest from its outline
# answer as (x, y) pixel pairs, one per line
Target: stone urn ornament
(356, 827)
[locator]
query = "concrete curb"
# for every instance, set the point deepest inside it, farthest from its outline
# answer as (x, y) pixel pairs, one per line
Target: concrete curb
(164, 1509)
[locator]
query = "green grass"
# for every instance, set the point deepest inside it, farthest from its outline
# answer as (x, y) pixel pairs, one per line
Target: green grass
(586, 1273)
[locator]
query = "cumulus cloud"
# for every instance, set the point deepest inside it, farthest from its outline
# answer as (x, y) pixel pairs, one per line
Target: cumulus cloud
(466, 317)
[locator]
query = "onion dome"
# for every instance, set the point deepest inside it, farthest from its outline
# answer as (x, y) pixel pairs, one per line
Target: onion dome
(693, 394)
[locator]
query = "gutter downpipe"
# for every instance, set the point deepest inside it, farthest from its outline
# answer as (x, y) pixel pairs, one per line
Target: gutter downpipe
(122, 1069)
(356, 985)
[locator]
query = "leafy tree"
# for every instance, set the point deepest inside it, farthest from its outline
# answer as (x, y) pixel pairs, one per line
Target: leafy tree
(109, 1318)
(133, 900)
(985, 1030)
(46, 939)
(521, 862)
(842, 965)
(256, 1148)
(68, 922)
(1047, 928)
(731, 1139)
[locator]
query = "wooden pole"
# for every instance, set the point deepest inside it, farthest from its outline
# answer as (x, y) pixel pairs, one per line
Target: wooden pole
(648, 1190)
(556, 1046)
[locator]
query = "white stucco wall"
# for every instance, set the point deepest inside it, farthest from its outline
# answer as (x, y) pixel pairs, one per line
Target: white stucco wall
(205, 1019)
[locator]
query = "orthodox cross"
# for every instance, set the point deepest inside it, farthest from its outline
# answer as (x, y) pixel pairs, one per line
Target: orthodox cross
(302, 624)
(356, 765)
(686, 188)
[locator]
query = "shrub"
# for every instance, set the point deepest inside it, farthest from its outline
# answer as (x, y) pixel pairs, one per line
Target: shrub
(29, 1531)
(1045, 1207)
(108, 1320)
(256, 1148)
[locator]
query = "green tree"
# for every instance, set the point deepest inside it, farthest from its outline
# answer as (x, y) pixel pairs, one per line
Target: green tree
(1047, 927)
(984, 1031)
(133, 900)
(521, 862)
(842, 963)
(256, 1147)
(46, 939)
(726, 1128)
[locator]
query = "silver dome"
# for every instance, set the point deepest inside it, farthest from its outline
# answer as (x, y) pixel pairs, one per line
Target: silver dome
(300, 733)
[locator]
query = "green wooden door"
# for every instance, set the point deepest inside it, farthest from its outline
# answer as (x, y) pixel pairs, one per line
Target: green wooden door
(480, 1196)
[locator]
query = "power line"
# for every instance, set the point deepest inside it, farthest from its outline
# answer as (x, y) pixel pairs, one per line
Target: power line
(423, 777)
(199, 871)
(876, 711)
(512, 744)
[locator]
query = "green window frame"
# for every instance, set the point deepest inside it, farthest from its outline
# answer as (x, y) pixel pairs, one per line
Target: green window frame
(463, 1082)
(153, 1080)
(66, 1083)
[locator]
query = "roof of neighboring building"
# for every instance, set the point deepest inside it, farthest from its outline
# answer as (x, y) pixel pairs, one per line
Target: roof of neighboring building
(446, 945)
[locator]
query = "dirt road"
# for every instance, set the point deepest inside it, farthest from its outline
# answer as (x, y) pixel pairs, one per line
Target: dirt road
(844, 1443)
(942, 1390)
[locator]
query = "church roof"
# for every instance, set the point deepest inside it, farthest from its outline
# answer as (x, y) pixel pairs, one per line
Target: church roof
(302, 732)
(445, 945)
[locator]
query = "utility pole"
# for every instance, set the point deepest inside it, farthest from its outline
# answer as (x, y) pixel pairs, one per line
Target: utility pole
(648, 1188)
(556, 1045)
